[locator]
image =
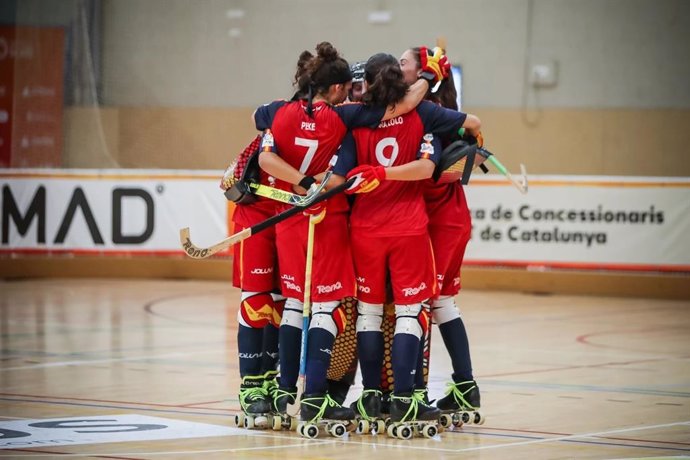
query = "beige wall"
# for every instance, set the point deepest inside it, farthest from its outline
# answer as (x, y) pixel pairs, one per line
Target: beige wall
(610, 53)
(573, 141)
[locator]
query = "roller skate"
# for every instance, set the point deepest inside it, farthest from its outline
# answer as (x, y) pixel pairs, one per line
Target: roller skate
(368, 413)
(460, 405)
(280, 419)
(255, 404)
(320, 410)
(410, 416)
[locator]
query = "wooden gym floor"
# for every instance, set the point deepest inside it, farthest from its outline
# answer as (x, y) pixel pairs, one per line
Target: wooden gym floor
(560, 376)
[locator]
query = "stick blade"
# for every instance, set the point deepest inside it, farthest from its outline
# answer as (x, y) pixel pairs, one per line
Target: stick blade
(190, 248)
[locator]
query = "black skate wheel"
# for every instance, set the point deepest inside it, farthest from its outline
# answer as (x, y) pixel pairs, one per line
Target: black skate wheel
(311, 431)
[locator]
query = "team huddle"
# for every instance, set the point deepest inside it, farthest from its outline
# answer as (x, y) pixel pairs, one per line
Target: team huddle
(373, 266)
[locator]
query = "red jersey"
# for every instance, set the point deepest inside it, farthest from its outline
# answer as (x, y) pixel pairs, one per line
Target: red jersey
(309, 142)
(397, 208)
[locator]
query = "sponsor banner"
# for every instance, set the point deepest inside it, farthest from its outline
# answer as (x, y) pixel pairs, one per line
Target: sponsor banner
(595, 222)
(109, 212)
(629, 223)
(70, 431)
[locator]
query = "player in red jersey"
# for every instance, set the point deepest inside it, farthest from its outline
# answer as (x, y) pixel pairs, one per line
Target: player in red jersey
(450, 227)
(255, 272)
(389, 230)
(307, 132)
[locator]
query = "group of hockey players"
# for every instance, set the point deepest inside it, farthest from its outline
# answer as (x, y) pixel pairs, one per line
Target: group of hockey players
(397, 236)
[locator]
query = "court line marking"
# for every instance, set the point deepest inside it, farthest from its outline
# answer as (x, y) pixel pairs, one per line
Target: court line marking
(100, 361)
(182, 452)
(576, 436)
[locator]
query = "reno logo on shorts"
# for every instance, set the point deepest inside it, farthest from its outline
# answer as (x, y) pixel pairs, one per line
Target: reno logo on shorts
(321, 289)
(293, 286)
(408, 292)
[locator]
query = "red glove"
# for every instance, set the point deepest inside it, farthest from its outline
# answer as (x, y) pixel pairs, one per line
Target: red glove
(367, 178)
(435, 66)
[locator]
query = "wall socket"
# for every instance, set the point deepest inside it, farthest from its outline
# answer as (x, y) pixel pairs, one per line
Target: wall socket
(544, 74)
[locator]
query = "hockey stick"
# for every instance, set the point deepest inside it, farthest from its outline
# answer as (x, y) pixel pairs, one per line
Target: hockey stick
(287, 197)
(196, 252)
(521, 185)
(306, 309)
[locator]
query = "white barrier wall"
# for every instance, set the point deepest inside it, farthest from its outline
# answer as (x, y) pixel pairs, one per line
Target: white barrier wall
(609, 223)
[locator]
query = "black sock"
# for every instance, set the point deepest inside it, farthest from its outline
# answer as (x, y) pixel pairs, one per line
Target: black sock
(370, 352)
(455, 337)
(250, 346)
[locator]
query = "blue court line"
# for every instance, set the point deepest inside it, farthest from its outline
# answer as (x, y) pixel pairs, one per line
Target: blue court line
(600, 389)
(172, 411)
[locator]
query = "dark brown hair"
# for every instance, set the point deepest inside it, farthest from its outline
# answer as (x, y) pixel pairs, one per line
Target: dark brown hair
(385, 84)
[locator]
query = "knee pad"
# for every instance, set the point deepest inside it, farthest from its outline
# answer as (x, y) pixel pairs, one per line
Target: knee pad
(256, 309)
(370, 317)
(278, 307)
(292, 313)
(444, 310)
(411, 319)
(329, 316)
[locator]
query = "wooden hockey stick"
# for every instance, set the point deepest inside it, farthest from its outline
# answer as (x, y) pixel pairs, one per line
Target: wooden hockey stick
(306, 312)
(521, 185)
(196, 252)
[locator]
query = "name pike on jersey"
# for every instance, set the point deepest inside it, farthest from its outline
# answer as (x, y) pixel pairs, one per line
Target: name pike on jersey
(308, 126)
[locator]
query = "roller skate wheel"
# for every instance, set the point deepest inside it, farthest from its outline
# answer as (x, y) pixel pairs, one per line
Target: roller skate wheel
(249, 423)
(363, 426)
(479, 418)
(293, 423)
(277, 423)
(239, 420)
(466, 417)
(446, 420)
(311, 431)
(392, 431)
(457, 420)
(260, 421)
(300, 429)
(429, 431)
(338, 430)
(379, 427)
(404, 432)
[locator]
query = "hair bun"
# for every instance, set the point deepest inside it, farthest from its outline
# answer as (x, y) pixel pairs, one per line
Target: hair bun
(326, 51)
